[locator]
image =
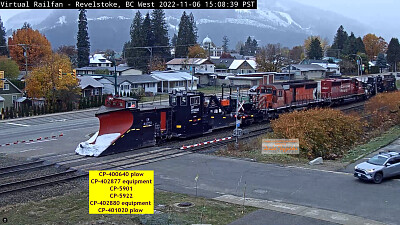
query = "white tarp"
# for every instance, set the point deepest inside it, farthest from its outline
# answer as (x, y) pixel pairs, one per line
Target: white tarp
(101, 144)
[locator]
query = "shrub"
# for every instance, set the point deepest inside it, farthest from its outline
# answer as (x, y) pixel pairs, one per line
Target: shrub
(327, 133)
(383, 108)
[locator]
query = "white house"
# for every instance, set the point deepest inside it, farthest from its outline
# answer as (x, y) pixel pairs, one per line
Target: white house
(98, 60)
(240, 66)
(200, 65)
(174, 80)
(130, 84)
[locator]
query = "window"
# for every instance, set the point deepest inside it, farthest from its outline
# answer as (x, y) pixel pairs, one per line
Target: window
(183, 101)
(6, 87)
(280, 94)
(126, 87)
(195, 100)
(134, 86)
(173, 100)
(14, 97)
(96, 91)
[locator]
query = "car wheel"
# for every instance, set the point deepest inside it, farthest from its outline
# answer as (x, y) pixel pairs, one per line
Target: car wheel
(378, 178)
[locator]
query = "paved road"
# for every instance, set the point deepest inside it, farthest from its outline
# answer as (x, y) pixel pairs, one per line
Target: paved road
(326, 190)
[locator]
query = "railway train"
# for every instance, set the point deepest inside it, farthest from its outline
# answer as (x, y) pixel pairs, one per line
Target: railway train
(125, 126)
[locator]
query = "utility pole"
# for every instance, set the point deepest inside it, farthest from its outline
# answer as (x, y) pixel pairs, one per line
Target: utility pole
(25, 47)
(237, 122)
(115, 73)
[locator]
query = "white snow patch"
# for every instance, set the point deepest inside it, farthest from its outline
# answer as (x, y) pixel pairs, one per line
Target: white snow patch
(62, 20)
(123, 18)
(243, 10)
(237, 21)
(101, 144)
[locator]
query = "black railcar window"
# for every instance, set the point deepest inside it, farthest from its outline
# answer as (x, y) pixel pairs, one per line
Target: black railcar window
(183, 101)
(173, 100)
(195, 100)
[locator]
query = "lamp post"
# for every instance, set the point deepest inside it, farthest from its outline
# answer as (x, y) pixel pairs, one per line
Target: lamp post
(115, 73)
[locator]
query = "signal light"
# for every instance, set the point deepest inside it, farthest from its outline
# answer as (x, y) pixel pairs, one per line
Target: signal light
(74, 74)
(59, 74)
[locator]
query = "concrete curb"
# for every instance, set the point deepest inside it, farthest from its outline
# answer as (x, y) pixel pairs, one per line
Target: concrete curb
(46, 115)
(315, 213)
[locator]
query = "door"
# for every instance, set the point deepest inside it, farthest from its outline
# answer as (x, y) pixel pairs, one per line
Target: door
(394, 168)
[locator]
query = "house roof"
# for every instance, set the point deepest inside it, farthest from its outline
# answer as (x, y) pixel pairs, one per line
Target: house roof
(1, 99)
(98, 58)
(134, 79)
(311, 67)
(109, 68)
(172, 76)
(86, 81)
(226, 62)
(9, 82)
(188, 61)
(238, 62)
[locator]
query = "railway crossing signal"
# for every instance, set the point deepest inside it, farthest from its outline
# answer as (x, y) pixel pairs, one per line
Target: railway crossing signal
(59, 74)
(2, 79)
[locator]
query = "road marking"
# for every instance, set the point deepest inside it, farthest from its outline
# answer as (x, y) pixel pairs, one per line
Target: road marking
(300, 210)
(18, 124)
(31, 149)
(326, 171)
(62, 120)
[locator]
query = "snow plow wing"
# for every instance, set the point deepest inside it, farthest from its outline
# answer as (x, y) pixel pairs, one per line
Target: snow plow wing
(113, 125)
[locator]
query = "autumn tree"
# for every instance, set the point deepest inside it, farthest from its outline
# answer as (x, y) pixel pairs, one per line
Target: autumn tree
(158, 64)
(83, 44)
(374, 45)
(70, 51)
(44, 80)
(37, 45)
(3, 43)
(10, 68)
(296, 53)
(269, 58)
(197, 52)
(393, 53)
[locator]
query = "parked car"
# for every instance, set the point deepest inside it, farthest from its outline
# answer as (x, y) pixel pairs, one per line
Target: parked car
(379, 167)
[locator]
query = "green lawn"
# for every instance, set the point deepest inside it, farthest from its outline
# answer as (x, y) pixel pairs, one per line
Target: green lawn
(74, 208)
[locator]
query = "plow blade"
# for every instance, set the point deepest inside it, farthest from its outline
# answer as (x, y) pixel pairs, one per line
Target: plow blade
(113, 127)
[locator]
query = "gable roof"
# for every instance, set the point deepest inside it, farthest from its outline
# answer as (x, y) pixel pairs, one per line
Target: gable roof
(86, 81)
(109, 68)
(226, 62)
(189, 61)
(13, 85)
(238, 62)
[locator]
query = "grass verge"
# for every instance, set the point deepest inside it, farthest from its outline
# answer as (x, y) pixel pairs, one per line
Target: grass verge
(373, 145)
(74, 208)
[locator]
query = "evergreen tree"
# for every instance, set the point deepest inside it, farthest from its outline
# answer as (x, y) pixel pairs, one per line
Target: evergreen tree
(381, 61)
(315, 49)
(247, 46)
(393, 53)
(3, 43)
(225, 41)
(148, 40)
(83, 44)
(241, 50)
(350, 46)
(360, 45)
(187, 35)
(340, 39)
(136, 58)
(160, 32)
(26, 26)
(254, 46)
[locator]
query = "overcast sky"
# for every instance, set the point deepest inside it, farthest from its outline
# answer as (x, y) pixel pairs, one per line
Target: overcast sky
(381, 15)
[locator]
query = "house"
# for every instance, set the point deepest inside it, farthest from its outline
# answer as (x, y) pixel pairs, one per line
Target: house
(174, 80)
(9, 94)
(222, 65)
(121, 70)
(200, 65)
(311, 71)
(331, 68)
(251, 79)
(127, 85)
(241, 66)
(98, 60)
(90, 86)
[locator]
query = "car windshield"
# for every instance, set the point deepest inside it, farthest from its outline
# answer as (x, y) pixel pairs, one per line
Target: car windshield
(377, 160)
